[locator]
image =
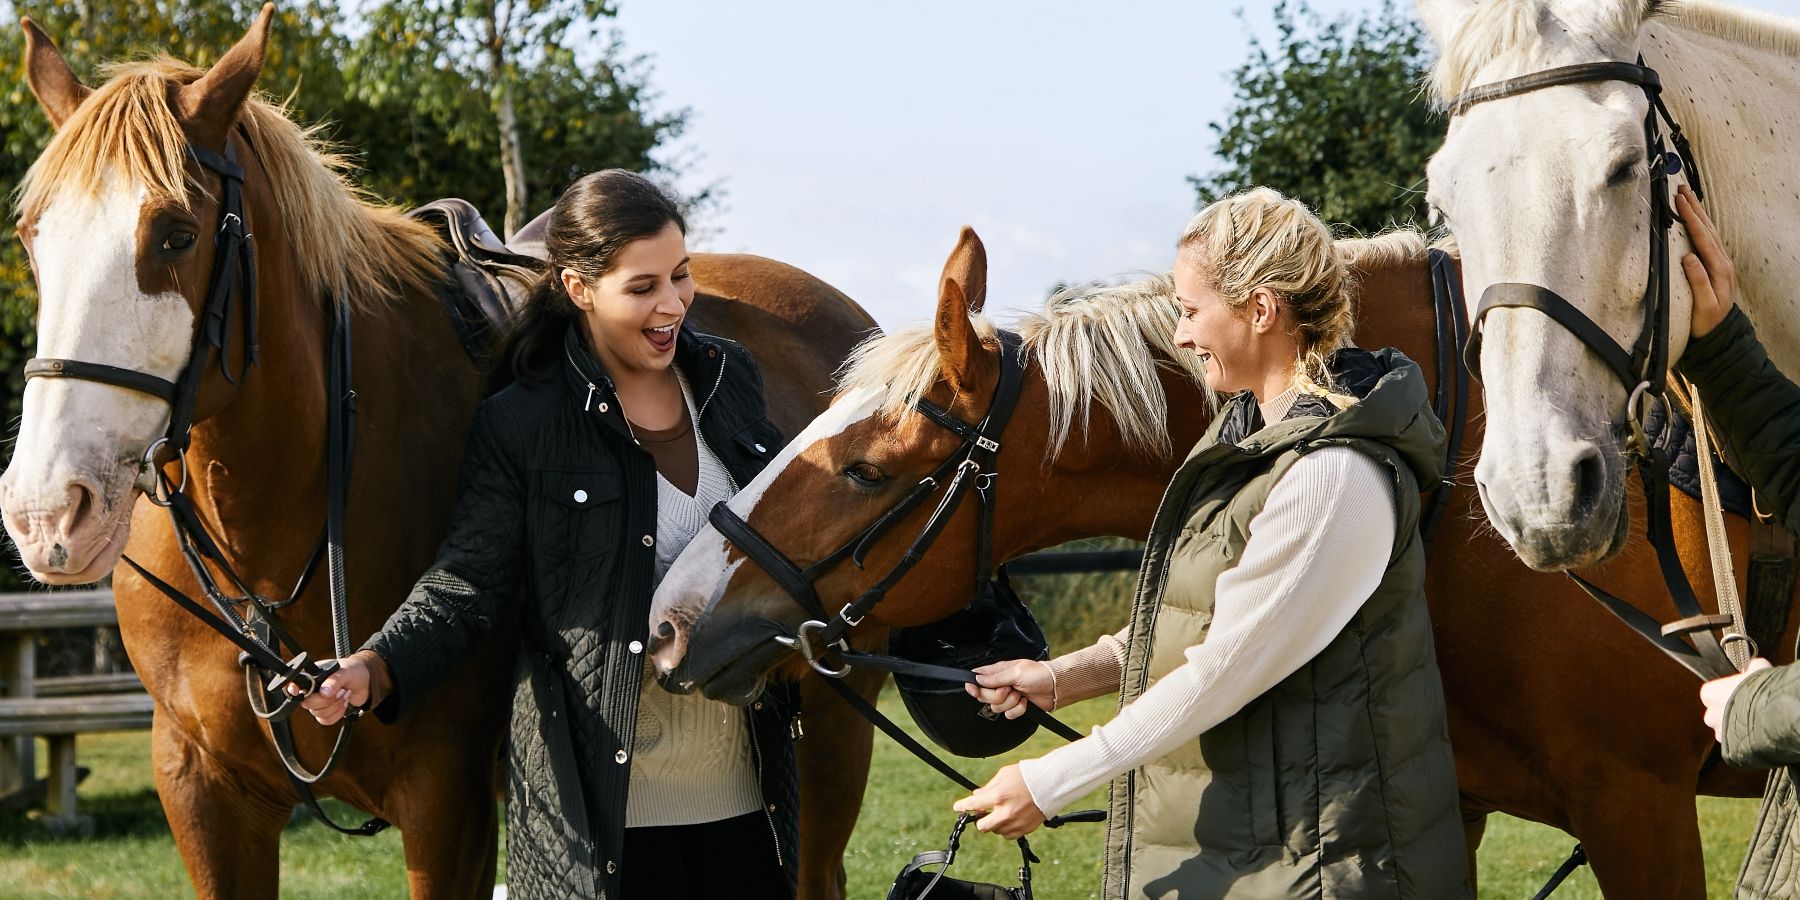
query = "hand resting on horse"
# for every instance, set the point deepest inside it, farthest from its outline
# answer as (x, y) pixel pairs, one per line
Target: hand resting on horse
(1006, 686)
(1709, 270)
(360, 681)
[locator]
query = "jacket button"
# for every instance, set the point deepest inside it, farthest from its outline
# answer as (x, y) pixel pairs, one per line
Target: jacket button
(761, 449)
(620, 757)
(649, 540)
(757, 705)
(712, 352)
(581, 496)
(603, 407)
(771, 807)
(611, 867)
(636, 646)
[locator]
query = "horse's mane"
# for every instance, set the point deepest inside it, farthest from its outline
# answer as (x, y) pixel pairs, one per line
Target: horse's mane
(345, 244)
(1094, 343)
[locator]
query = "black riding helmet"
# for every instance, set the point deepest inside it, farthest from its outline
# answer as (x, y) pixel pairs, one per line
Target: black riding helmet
(995, 627)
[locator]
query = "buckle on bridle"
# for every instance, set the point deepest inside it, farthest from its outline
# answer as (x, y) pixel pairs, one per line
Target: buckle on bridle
(1726, 639)
(814, 657)
(1636, 412)
(987, 443)
(151, 480)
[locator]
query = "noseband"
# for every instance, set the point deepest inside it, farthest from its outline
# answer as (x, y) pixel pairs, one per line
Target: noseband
(971, 465)
(1643, 370)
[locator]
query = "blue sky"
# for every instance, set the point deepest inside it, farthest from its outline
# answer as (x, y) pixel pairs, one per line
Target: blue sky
(853, 139)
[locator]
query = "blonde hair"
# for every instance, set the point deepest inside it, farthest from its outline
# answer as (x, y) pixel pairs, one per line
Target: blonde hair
(1260, 239)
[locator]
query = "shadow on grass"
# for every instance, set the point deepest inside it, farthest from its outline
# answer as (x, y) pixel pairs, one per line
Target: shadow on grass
(123, 815)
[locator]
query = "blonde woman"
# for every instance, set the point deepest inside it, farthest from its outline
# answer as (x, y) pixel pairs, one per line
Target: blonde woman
(1281, 723)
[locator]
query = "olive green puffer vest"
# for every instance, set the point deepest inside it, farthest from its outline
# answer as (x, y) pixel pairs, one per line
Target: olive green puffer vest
(1339, 781)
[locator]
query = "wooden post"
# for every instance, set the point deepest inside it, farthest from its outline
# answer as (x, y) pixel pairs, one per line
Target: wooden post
(18, 671)
(60, 815)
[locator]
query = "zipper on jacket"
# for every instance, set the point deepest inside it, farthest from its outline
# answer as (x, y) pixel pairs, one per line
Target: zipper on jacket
(717, 380)
(756, 748)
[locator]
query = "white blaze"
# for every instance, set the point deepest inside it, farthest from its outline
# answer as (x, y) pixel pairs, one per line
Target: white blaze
(699, 575)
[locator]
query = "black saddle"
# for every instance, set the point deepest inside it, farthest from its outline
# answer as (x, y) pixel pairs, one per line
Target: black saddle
(488, 279)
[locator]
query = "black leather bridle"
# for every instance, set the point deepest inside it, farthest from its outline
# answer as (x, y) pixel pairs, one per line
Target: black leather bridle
(1643, 370)
(970, 466)
(256, 631)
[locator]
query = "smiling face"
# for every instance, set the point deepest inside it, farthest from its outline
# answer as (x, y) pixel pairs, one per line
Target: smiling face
(1209, 327)
(633, 311)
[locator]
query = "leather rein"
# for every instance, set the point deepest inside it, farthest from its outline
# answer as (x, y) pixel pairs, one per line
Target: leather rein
(255, 631)
(1643, 370)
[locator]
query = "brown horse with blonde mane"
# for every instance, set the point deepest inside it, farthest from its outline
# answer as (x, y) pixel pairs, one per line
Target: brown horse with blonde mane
(119, 216)
(1557, 713)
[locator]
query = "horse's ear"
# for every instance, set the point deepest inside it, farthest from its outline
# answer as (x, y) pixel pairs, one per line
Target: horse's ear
(57, 89)
(960, 296)
(1441, 18)
(210, 105)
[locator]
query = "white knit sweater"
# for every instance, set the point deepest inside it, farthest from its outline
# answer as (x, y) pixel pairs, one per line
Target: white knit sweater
(691, 760)
(1315, 553)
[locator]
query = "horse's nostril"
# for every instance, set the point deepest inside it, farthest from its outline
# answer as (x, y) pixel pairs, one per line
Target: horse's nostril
(1590, 483)
(81, 505)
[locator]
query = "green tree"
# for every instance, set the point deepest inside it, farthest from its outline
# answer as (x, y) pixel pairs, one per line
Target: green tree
(417, 126)
(538, 88)
(1333, 114)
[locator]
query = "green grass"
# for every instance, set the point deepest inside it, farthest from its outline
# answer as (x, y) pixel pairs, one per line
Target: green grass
(131, 854)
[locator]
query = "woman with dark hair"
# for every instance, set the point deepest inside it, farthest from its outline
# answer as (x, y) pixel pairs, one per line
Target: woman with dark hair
(612, 432)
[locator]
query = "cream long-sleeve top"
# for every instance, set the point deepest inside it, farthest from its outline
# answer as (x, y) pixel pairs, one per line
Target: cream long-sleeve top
(1316, 551)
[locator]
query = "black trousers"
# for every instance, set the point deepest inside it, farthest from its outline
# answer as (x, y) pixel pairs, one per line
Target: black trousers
(732, 858)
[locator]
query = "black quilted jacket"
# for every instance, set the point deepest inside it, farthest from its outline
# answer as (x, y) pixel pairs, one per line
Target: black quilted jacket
(556, 518)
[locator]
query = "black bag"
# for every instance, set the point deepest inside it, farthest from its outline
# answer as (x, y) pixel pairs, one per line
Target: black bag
(994, 627)
(915, 883)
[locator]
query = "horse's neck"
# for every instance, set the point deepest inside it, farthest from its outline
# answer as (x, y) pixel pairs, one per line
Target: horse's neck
(1102, 491)
(1739, 105)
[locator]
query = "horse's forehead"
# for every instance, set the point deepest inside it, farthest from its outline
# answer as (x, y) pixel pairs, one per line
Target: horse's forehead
(844, 413)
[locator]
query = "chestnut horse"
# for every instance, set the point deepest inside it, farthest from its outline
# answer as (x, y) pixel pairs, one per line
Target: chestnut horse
(119, 218)
(1556, 713)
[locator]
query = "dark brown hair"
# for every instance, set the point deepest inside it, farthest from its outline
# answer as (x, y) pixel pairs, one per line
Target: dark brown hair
(592, 221)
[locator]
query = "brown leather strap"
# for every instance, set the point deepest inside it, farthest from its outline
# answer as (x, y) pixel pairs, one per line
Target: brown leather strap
(1769, 586)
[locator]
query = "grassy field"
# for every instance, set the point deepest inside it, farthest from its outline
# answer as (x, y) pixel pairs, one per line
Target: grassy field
(131, 854)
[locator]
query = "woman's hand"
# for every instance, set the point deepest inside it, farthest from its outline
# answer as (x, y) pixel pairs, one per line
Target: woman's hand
(1709, 270)
(1006, 686)
(1716, 694)
(349, 686)
(1012, 813)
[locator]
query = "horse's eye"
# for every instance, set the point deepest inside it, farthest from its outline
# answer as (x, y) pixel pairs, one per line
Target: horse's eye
(865, 474)
(1622, 173)
(178, 241)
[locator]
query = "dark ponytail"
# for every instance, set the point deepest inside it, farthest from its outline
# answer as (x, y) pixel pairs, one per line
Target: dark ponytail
(592, 221)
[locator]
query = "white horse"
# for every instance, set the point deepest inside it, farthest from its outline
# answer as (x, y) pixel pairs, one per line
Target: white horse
(1549, 187)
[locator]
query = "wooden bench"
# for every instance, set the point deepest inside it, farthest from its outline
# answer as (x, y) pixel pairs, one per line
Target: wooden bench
(56, 708)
